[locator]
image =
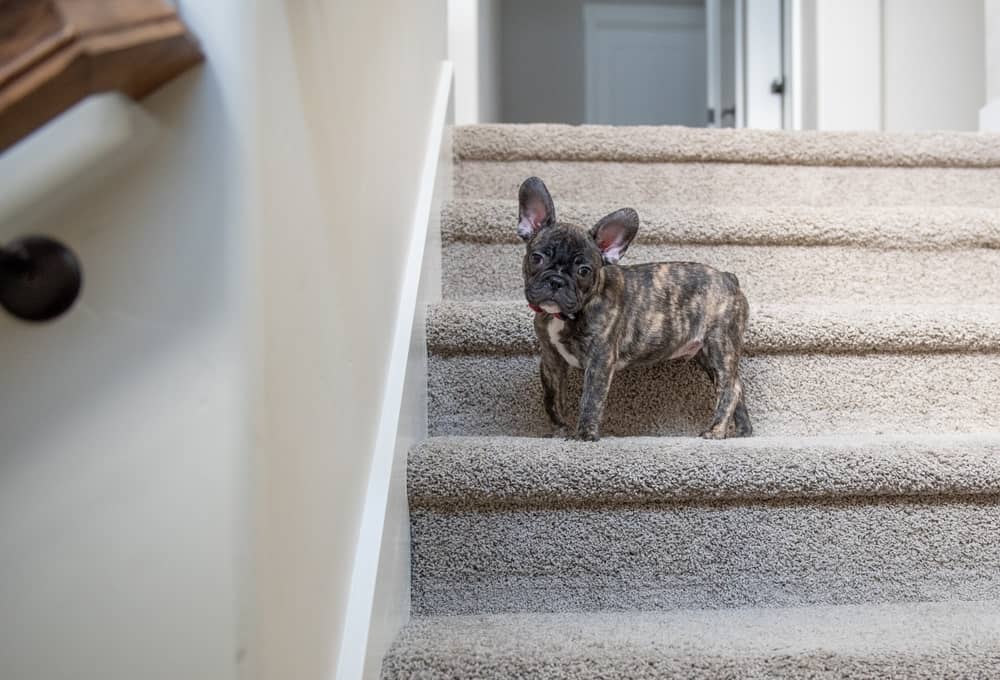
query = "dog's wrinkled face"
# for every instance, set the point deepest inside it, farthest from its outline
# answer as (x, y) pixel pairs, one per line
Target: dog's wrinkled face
(562, 262)
(561, 266)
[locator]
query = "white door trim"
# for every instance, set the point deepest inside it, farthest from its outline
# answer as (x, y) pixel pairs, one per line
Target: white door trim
(463, 52)
(713, 43)
(741, 84)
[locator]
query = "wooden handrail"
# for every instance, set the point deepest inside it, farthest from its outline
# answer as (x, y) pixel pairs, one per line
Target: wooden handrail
(54, 53)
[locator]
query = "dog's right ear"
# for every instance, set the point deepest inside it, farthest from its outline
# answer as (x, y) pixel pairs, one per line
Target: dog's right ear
(535, 208)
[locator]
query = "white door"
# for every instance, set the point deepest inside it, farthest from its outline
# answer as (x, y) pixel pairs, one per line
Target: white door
(645, 64)
(764, 77)
(747, 63)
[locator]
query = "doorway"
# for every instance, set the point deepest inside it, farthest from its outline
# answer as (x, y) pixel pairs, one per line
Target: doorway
(676, 62)
(645, 64)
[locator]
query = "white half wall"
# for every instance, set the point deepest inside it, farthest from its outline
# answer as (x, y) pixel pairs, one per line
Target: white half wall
(346, 98)
(379, 601)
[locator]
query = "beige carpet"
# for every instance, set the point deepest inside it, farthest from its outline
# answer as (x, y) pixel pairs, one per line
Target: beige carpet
(904, 642)
(856, 535)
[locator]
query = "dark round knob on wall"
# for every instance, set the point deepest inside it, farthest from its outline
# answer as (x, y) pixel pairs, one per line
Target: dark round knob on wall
(40, 278)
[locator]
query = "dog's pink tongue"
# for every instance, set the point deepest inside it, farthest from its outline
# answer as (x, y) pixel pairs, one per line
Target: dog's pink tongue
(535, 308)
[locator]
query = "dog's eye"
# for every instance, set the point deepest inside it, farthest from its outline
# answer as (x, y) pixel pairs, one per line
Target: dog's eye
(536, 258)
(584, 270)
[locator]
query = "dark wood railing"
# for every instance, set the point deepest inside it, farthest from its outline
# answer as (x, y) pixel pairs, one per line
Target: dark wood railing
(53, 53)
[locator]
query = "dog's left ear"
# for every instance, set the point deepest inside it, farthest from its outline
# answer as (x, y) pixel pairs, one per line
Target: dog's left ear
(614, 233)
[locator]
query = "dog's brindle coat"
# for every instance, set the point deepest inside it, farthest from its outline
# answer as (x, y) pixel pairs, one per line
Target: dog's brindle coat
(596, 315)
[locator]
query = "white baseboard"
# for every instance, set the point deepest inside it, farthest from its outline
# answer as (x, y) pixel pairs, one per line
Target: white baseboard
(378, 603)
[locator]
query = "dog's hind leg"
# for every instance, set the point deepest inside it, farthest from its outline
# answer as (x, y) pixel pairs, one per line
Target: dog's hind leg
(720, 359)
(741, 417)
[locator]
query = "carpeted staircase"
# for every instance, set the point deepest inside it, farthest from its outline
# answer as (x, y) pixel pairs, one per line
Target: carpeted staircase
(857, 534)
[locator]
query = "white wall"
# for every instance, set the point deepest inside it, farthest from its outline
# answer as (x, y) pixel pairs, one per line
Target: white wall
(992, 47)
(848, 76)
(391, 606)
(184, 454)
(989, 116)
(474, 49)
(344, 108)
(894, 65)
(934, 64)
(123, 459)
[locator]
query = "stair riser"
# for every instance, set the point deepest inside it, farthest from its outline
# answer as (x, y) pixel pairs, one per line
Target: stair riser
(730, 184)
(767, 273)
(704, 556)
(511, 472)
(785, 394)
(914, 641)
(901, 227)
(652, 664)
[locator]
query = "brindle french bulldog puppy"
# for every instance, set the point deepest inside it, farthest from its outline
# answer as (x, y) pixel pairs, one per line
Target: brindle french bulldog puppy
(594, 314)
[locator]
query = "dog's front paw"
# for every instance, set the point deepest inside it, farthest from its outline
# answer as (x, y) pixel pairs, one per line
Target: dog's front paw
(714, 433)
(586, 436)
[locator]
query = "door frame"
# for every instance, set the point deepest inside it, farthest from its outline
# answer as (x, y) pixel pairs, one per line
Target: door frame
(713, 43)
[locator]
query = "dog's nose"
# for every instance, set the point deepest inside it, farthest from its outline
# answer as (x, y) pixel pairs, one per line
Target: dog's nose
(556, 284)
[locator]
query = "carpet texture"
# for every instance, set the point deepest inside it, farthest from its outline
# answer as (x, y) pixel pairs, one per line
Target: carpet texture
(513, 525)
(705, 555)
(734, 184)
(854, 535)
(813, 255)
(769, 147)
(786, 393)
(491, 473)
(912, 641)
(806, 275)
(507, 328)
(908, 227)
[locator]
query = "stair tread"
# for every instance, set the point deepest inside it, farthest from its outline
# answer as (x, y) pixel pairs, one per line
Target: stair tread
(913, 640)
(645, 144)
(506, 327)
(909, 227)
(796, 555)
(473, 472)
